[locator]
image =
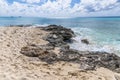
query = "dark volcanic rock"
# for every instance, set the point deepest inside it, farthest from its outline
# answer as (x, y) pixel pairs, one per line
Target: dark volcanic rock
(91, 60)
(43, 52)
(64, 47)
(85, 41)
(60, 30)
(101, 59)
(58, 35)
(55, 40)
(87, 60)
(69, 55)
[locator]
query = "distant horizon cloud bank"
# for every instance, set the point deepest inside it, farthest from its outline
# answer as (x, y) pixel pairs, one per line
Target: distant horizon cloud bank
(60, 8)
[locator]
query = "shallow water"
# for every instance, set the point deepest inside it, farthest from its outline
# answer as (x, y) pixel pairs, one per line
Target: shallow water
(103, 33)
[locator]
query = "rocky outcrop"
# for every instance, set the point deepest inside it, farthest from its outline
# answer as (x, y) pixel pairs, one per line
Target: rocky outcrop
(43, 52)
(87, 60)
(59, 31)
(91, 60)
(55, 40)
(58, 37)
(65, 33)
(85, 41)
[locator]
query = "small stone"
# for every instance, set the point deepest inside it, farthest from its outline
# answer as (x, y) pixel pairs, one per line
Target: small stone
(85, 41)
(8, 45)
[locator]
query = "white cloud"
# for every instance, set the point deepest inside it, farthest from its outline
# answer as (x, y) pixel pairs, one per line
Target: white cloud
(32, 1)
(60, 8)
(3, 7)
(97, 5)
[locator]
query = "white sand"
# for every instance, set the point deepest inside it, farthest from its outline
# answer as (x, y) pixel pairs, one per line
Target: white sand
(15, 66)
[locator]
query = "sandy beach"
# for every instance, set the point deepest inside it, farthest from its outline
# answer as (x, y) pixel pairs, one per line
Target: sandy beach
(16, 66)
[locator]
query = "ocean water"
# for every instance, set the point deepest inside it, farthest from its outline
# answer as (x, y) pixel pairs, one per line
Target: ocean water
(103, 33)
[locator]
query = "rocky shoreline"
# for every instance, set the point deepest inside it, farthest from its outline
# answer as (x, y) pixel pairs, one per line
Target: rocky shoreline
(60, 37)
(37, 53)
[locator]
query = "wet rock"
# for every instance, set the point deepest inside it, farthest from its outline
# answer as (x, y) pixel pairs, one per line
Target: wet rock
(66, 34)
(58, 35)
(60, 30)
(55, 40)
(64, 47)
(85, 41)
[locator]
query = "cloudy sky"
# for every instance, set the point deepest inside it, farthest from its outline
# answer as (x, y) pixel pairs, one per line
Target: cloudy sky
(60, 8)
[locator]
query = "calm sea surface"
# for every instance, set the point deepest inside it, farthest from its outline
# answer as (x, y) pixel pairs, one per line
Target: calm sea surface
(103, 33)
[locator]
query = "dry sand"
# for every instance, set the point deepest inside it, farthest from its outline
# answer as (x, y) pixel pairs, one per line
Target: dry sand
(15, 66)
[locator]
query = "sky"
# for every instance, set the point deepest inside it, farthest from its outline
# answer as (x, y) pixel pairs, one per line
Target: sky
(60, 8)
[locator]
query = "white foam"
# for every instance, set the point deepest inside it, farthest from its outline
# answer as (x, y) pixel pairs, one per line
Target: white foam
(39, 25)
(85, 33)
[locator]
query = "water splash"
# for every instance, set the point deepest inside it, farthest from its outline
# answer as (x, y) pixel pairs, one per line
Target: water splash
(97, 41)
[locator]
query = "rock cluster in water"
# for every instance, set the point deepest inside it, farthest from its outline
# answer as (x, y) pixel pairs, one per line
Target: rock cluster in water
(59, 37)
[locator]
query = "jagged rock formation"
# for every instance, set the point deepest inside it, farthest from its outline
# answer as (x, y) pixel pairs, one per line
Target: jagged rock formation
(65, 33)
(58, 37)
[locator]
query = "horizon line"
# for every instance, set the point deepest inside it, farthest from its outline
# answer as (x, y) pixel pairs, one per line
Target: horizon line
(62, 17)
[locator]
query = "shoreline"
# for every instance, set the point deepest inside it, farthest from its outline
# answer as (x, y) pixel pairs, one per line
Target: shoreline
(97, 42)
(94, 44)
(44, 54)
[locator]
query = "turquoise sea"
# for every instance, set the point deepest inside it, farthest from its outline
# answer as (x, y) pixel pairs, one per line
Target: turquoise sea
(102, 32)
